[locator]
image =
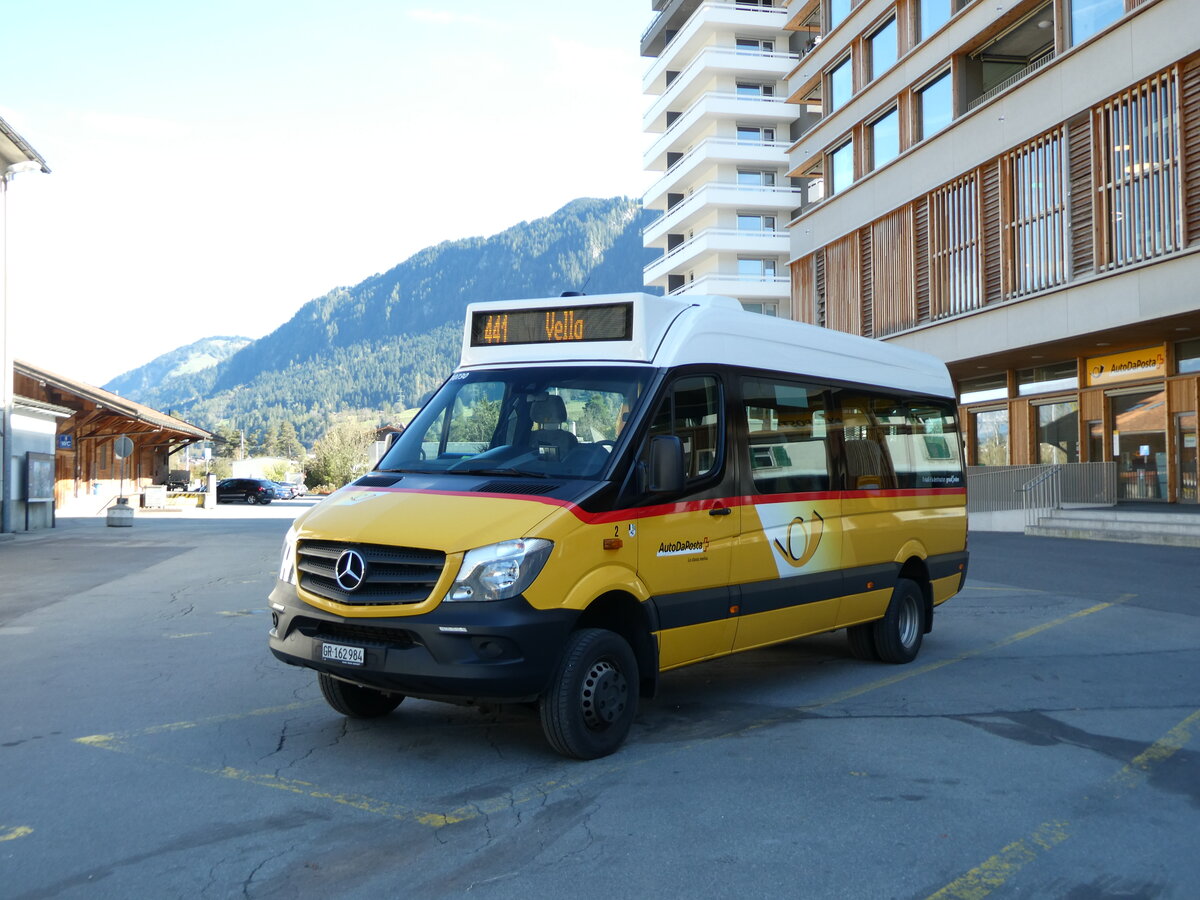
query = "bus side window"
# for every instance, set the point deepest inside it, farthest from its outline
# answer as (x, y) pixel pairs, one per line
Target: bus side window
(786, 430)
(866, 461)
(691, 410)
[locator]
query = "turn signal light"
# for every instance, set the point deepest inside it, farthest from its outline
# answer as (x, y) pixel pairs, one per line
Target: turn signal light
(613, 544)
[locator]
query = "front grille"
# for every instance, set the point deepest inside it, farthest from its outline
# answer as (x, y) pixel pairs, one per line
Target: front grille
(361, 635)
(393, 574)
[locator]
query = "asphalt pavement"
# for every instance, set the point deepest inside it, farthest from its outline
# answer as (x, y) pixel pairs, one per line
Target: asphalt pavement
(1044, 744)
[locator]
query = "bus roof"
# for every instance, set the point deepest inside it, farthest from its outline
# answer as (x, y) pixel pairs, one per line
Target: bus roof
(675, 331)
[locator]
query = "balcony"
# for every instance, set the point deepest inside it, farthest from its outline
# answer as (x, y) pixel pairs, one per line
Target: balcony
(716, 240)
(771, 199)
(713, 61)
(733, 285)
(693, 25)
(709, 153)
(711, 108)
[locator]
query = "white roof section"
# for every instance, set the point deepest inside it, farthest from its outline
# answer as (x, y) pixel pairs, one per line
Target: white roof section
(705, 329)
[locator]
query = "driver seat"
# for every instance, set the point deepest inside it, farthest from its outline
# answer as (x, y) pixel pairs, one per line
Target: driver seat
(550, 441)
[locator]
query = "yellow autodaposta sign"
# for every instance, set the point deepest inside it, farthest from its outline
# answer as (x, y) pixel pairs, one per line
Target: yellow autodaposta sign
(1150, 362)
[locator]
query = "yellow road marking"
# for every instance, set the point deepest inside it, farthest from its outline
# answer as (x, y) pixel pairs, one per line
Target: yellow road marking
(908, 673)
(13, 833)
(995, 871)
(116, 741)
(539, 791)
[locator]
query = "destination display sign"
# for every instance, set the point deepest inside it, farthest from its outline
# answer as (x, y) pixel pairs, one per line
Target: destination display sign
(556, 325)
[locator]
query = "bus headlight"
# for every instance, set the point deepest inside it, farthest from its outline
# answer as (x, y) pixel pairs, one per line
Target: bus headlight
(287, 560)
(500, 571)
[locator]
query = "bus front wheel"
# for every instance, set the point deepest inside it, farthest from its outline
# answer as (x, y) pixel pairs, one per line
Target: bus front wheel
(589, 707)
(898, 634)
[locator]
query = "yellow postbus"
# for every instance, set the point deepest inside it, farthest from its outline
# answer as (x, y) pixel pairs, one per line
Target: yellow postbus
(610, 487)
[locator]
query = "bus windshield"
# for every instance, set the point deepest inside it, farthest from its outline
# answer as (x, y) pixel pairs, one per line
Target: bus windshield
(552, 421)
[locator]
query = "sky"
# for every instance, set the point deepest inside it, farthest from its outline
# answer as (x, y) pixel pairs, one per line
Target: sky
(216, 165)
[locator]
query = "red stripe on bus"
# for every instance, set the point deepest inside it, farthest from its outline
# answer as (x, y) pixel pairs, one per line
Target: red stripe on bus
(687, 506)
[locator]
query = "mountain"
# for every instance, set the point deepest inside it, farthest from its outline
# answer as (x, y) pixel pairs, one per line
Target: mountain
(196, 357)
(382, 344)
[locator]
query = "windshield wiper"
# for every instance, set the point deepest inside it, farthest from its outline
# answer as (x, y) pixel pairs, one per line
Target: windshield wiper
(500, 470)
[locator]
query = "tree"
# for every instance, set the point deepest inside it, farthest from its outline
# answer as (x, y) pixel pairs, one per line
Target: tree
(340, 455)
(289, 442)
(228, 443)
(270, 444)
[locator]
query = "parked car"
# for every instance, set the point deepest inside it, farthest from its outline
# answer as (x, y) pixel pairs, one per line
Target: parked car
(284, 490)
(252, 490)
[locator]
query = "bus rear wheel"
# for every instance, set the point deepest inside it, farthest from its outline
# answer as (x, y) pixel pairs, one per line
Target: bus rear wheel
(898, 634)
(589, 707)
(862, 642)
(356, 701)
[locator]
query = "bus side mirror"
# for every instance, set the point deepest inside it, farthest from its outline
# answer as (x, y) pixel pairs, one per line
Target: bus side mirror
(666, 464)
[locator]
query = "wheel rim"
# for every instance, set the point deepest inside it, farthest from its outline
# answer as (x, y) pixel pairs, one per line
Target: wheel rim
(909, 623)
(603, 695)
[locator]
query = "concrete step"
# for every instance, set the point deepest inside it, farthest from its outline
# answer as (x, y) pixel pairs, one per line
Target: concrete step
(1166, 528)
(1126, 537)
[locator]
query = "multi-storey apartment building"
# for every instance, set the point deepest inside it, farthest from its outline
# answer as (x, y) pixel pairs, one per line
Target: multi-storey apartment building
(1014, 186)
(723, 126)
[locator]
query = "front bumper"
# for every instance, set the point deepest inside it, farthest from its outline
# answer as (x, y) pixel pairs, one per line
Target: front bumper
(501, 650)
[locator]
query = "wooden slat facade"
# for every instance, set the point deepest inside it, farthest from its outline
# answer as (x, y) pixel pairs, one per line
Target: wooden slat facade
(1189, 116)
(1079, 161)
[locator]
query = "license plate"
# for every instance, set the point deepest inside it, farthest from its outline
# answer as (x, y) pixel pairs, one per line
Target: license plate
(350, 656)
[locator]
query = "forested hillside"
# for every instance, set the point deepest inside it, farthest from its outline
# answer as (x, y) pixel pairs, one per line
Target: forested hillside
(380, 345)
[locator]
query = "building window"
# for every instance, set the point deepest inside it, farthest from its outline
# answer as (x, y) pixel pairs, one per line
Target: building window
(991, 437)
(885, 138)
(763, 309)
(954, 249)
(745, 89)
(1187, 356)
(756, 177)
(932, 15)
(838, 10)
(754, 45)
(1037, 220)
(936, 103)
(754, 134)
(841, 161)
(1090, 17)
(841, 84)
(883, 47)
(756, 268)
(984, 387)
(1043, 379)
(752, 222)
(1058, 432)
(1139, 171)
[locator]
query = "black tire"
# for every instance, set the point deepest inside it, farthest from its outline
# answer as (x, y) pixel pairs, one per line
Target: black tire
(356, 701)
(592, 700)
(862, 642)
(898, 634)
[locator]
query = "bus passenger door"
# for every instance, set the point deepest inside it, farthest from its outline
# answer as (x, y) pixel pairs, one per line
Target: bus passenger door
(685, 542)
(789, 559)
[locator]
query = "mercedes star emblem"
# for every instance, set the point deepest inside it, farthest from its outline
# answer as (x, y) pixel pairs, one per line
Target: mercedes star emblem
(350, 570)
